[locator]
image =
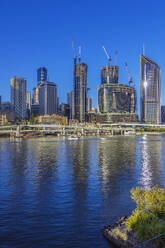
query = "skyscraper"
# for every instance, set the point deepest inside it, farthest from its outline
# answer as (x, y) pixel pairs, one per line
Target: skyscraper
(89, 104)
(80, 91)
(48, 98)
(70, 101)
(36, 95)
(150, 90)
(112, 96)
(18, 96)
(28, 102)
(41, 75)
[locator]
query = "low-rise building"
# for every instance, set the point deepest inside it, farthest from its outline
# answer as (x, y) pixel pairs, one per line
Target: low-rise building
(52, 119)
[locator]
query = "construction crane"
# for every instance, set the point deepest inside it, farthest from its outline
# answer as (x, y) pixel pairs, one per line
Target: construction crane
(130, 81)
(109, 58)
(79, 52)
(74, 52)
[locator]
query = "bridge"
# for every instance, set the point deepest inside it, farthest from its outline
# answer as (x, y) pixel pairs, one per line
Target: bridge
(65, 130)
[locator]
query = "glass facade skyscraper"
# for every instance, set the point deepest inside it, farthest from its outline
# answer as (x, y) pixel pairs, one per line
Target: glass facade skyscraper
(48, 98)
(80, 91)
(18, 97)
(41, 75)
(150, 91)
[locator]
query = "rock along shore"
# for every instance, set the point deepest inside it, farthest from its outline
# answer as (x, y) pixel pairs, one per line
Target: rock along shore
(121, 237)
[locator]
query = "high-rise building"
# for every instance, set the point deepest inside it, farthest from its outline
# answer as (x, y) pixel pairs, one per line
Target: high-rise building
(80, 91)
(150, 90)
(116, 102)
(36, 95)
(162, 114)
(18, 96)
(41, 75)
(48, 98)
(0, 102)
(112, 96)
(89, 104)
(70, 101)
(28, 102)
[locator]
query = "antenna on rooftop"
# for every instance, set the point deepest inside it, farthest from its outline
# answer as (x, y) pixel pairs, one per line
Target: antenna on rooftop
(143, 49)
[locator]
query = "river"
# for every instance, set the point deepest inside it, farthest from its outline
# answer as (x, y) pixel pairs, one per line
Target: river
(61, 193)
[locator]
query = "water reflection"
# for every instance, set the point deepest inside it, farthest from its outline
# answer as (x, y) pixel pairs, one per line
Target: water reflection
(150, 161)
(61, 193)
(116, 158)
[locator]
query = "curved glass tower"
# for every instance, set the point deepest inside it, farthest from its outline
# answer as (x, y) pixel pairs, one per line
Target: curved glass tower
(150, 91)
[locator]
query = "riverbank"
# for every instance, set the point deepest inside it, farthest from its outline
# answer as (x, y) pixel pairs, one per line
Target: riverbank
(119, 235)
(146, 226)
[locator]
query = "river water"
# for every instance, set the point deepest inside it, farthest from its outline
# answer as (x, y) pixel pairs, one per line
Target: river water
(60, 193)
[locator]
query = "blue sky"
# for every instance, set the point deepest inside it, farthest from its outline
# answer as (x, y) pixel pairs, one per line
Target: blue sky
(39, 33)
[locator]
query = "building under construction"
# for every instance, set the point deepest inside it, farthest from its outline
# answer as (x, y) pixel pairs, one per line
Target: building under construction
(150, 91)
(115, 102)
(80, 89)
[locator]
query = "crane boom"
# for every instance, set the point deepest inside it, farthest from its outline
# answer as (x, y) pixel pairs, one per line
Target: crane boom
(109, 58)
(129, 75)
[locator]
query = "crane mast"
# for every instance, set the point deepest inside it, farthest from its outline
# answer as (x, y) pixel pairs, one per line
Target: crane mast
(74, 52)
(79, 51)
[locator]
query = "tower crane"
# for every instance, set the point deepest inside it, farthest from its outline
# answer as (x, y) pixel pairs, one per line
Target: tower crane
(109, 58)
(79, 52)
(130, 81)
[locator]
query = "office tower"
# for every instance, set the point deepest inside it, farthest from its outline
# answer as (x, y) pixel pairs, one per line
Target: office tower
(35, 109)
(28, 103)
(162, 114)
(41, 75)
(89, 104)
(109, 74)
(36, 95)
(150, 90)
(48, 98)
(70, 101)
(80, 91)
(65, 110)
(18, 96)
(28, 99)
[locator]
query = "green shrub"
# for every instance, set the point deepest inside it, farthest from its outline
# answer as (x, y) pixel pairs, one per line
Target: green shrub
(152, 200)
(145, 219)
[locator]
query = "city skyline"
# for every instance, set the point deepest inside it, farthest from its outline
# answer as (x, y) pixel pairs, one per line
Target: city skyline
(47, 42)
